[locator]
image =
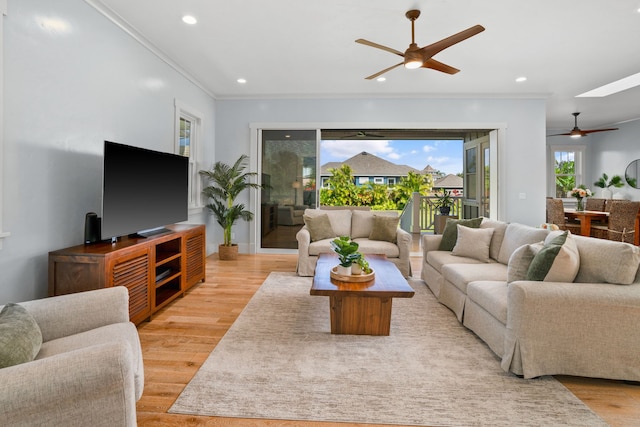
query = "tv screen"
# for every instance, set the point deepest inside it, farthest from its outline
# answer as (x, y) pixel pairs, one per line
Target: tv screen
(142, 190)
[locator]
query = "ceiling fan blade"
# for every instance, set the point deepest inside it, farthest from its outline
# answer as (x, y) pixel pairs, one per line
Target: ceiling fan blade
(432, 49)
(439, 66)
(598, 130)
(561, 134)
(373, 76)
(379, 46)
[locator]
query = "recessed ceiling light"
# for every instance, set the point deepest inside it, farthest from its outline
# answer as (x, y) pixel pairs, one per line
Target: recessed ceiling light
(521, 79)
(613, 87)
(188, 19)
(241, 81)
(381, 79)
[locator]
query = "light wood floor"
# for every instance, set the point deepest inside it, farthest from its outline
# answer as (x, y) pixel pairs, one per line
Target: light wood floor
(178, 340)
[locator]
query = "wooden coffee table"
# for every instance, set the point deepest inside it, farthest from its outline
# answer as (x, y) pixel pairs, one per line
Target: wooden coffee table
(361, 308)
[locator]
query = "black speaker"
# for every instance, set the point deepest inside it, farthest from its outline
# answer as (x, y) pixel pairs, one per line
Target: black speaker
(91, 228)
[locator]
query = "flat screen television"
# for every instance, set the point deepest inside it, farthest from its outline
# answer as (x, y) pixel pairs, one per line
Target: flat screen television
(142, 190)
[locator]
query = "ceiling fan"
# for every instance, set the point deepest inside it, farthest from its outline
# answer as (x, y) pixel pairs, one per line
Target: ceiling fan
(362, 134)
(576, 132)
(416, 57)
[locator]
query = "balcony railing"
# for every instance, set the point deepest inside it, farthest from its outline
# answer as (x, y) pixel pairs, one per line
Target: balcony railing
(418, 216)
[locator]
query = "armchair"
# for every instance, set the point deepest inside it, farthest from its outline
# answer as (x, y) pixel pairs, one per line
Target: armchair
(89, 369)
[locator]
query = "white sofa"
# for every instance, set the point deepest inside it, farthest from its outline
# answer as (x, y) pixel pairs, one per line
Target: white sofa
(587, 327)
(358, 225)
(88, 370)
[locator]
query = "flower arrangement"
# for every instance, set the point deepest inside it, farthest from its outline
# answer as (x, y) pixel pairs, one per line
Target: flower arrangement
(580, 193)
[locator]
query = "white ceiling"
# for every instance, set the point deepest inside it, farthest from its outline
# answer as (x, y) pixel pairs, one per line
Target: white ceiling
(306, 48)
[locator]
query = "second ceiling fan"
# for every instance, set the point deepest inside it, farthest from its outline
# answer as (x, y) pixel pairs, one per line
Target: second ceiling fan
(417, 57)
(576, 132)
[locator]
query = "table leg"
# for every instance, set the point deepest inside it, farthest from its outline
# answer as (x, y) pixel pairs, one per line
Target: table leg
(360, 315)
(585, 225)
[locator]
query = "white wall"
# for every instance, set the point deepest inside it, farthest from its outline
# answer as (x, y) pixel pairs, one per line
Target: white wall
(66, 90)
(522, 150)
(611, 153)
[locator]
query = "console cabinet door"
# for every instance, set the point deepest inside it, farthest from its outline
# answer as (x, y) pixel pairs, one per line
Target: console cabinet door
(133, 270)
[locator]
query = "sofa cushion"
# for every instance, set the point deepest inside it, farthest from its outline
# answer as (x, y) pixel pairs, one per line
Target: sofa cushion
(557, 261)
(20, 336)
(319, 227)
(438, 259)
(362, 222)
(461, 275)
(385, 228)
(499, 227)
(473, 243)
(340, 219)
(367, 246)
(517, 235)
(492, 296)
(450, 232)
(597, 256)
(321, 247)
(520, 260)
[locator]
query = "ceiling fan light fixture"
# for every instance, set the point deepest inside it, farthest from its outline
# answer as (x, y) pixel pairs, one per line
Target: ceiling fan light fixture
(412, 60)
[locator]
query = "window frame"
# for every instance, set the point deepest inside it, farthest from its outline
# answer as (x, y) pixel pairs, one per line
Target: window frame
(184, 111)
(580, 161)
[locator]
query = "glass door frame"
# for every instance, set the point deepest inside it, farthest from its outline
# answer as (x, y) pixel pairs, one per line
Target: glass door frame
(498, 164)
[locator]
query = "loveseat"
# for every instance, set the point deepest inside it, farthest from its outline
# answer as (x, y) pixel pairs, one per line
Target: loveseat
(546, 303)
(376, 232)
(87, 370)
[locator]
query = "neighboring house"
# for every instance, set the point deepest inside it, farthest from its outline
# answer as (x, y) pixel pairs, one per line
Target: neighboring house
(451, 182)
(368, 168)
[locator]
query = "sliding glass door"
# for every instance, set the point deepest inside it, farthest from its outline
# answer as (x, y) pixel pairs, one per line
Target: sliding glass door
(288, 168)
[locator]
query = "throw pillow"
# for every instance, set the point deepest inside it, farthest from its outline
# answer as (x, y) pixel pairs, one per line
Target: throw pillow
(450, 232)
(384, 228)
(319, 227)
(520, 261)
(20, 336)
(473, 243)
(557, 261)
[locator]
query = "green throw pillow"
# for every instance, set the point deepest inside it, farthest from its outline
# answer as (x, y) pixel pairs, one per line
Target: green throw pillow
(557, 261)
(450, 232)
(319, 227)
(20, 336)
(384, 228)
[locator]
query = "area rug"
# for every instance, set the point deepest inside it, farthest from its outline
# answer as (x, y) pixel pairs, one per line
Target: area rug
(280, 361)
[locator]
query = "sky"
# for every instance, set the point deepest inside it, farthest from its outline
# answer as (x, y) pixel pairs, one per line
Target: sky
(443, 155)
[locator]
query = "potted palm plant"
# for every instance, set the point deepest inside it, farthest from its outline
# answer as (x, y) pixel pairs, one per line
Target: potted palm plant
(225, 184)
(444, 201)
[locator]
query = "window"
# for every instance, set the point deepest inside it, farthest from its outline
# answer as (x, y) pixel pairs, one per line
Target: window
(363, 180)
(566, 169)
(378, 180)
(188, 131)
(391, 182)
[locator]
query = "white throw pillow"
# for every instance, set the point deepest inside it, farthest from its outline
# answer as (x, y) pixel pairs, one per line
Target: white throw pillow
(557, 261)
(473, 243)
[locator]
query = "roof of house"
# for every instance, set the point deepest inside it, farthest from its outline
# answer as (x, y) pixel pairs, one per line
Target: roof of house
(367, 164)
(449, 181)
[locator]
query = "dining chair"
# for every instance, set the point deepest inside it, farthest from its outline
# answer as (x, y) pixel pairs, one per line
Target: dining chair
(622, 222)
(555, 215)
(594, 204)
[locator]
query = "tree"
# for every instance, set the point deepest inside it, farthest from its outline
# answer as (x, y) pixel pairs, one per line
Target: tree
(342, 189)
(412, 183)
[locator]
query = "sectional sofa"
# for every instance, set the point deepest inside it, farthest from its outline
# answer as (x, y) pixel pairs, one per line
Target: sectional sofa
(575, 314)
(376, 232)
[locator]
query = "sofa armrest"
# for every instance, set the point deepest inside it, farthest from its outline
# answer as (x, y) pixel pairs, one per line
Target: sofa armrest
(403, 240)
(70, 314)
(93, 386)
(430, 242)
(582, 329)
